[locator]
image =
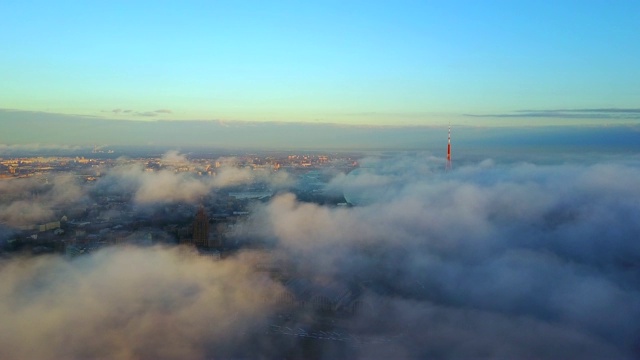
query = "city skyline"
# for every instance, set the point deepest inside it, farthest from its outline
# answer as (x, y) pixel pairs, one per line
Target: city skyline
(356, 63)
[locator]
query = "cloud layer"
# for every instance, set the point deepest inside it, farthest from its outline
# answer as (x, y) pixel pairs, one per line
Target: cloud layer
(43, 198)
(616, 128)
(491, 260)
(168, 185)
(590, 113)
(130, 303)
(33, 200)
(485, 261)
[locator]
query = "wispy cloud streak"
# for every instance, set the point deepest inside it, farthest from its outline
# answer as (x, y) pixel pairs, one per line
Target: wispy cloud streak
(595, 113)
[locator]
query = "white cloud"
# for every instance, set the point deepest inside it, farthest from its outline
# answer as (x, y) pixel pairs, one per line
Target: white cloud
(517, 251)
(132, 303)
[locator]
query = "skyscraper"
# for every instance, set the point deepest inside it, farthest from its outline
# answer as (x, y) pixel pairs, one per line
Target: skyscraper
(447, 166)
(201, 229)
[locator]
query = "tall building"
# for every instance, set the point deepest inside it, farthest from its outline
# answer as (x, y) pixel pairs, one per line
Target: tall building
(201, 229)
(216, 240)
(447, 167)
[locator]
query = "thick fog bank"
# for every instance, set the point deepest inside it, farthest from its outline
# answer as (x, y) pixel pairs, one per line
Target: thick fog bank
(488, 260)
(132, 303)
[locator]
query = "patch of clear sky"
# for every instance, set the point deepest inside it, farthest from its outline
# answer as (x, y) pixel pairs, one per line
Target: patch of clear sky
(347, 62)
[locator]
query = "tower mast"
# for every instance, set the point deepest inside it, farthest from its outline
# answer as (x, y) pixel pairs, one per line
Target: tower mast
(447, 166)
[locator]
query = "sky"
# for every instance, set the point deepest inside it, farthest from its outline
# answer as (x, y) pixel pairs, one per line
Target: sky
(371, 63)
(520, 251)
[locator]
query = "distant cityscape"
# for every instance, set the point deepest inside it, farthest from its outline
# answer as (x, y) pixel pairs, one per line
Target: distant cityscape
(110, 218)
(205, 227)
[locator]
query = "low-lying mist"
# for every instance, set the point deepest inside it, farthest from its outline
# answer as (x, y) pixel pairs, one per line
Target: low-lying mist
(490, 260)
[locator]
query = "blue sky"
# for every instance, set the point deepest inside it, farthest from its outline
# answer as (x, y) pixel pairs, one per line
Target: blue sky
(345, 62)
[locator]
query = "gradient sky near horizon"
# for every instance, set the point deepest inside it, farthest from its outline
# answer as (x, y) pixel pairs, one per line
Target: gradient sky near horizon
(345, 62)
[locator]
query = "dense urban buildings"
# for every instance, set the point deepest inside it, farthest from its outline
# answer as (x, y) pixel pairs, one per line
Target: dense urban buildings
(110, 216)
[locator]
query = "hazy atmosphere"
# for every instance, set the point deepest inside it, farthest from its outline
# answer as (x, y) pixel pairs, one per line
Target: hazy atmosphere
(492, 260)
(325, 180)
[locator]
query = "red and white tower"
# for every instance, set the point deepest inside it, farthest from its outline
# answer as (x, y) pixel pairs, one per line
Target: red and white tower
(447, 166)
